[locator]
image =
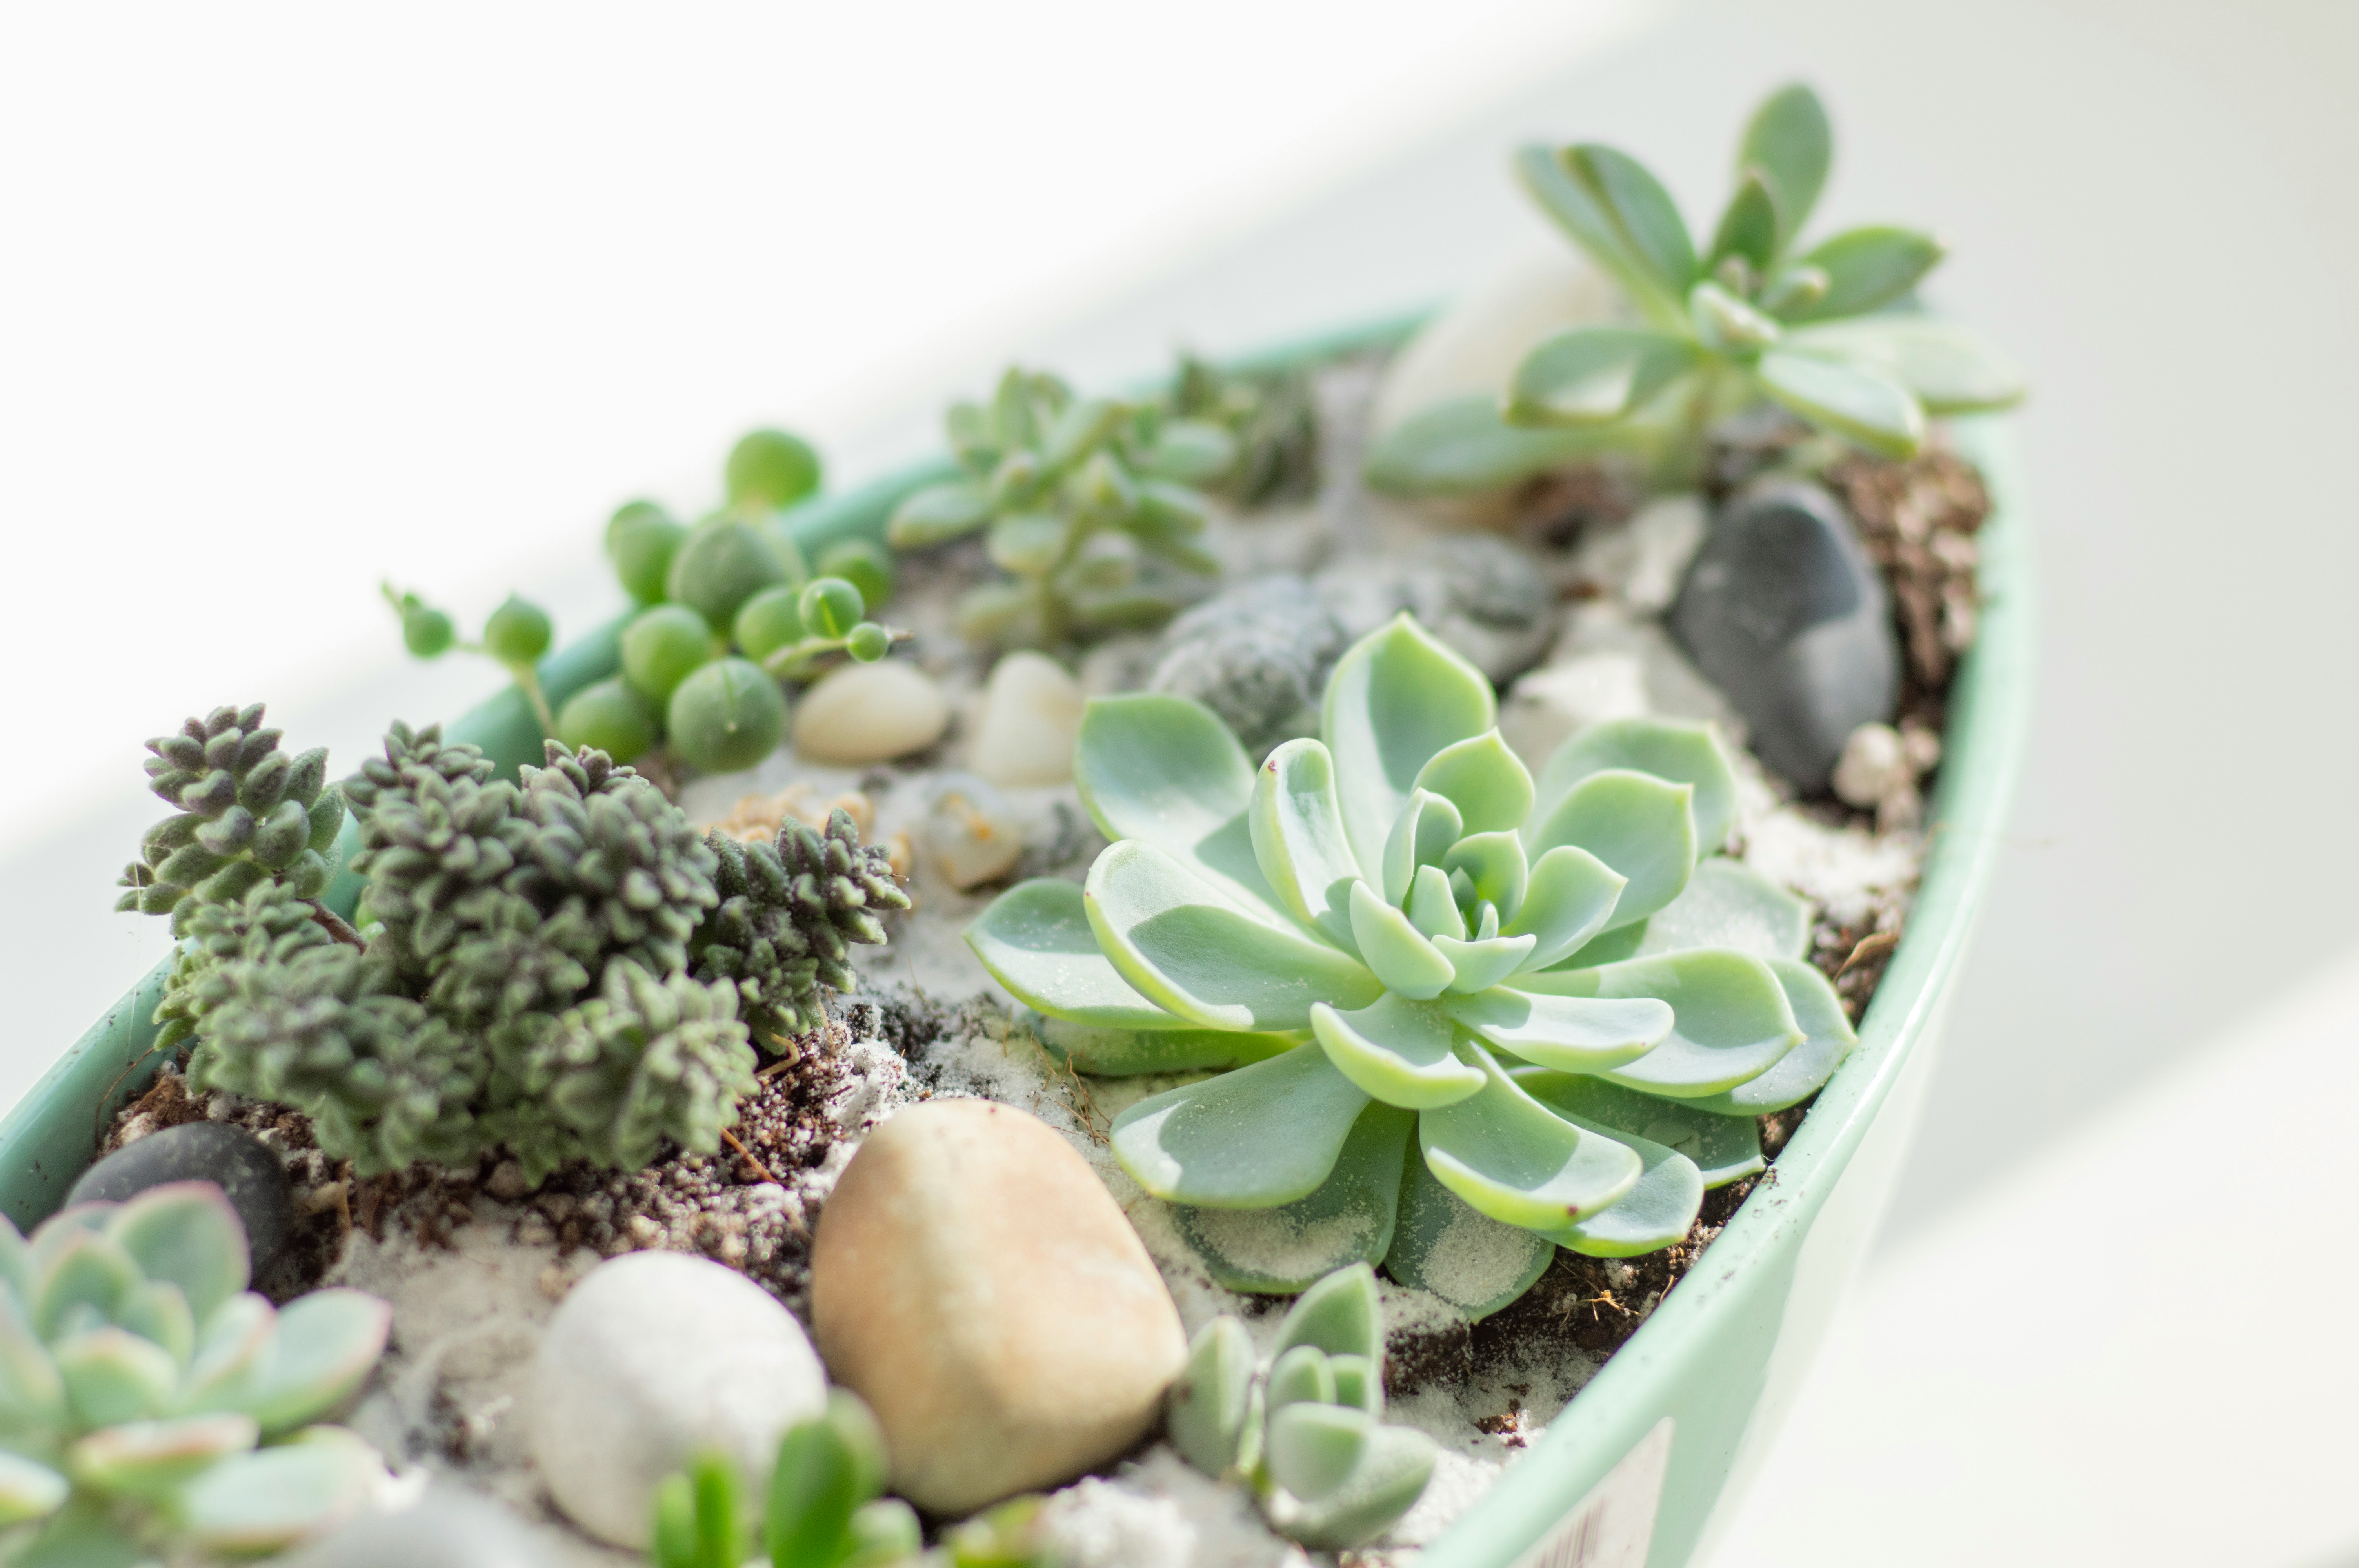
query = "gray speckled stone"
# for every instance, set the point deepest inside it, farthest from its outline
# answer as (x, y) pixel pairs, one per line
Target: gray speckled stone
(1487, 597)
(1783, 610)
(1258, 655)
(231, 1158)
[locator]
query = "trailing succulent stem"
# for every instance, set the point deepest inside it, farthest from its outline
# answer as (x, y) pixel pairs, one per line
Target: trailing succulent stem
(562, 966)
(1468, 1015)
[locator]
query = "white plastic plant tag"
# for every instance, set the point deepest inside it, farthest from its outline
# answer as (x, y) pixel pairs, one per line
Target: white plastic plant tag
(1613, 1525)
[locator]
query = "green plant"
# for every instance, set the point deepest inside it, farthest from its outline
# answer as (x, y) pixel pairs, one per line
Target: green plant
(514, 636)
(1085, 503)
(561, 964)
(150, 1404)
(1309, 1438)
(1829, 333)
(1394, 934)
(1271, 422)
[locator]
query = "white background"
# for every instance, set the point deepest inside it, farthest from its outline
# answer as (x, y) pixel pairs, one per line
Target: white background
(293, 298)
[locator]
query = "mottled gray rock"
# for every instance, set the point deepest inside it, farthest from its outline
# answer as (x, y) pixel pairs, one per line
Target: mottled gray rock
(233, 1159)
(1258, 655)
(1487, 597)
(448, 1527)
(1783, 610)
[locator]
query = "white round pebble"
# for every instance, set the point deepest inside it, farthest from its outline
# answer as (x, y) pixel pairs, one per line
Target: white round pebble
(858, 714)
(970, 836)
(1875, 763)
(1031, 713)
(651, 1358)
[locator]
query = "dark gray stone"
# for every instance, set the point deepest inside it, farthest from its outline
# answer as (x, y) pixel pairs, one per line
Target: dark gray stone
(1258, 655)
(231, 1158)
(1783, 610)
(447, 1528)
(1487, 597)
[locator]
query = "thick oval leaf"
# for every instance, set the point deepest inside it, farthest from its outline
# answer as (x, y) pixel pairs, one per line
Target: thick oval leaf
(186, 1233)
(1495, 863)
(1197, 955)
(1518, 1162)
(28, 1490)
(147, 1458)
(937, 513)
(1027, 544)
(1349, 1219)
(1724, 1148)
(1164, 771)
(1656, 1212)
(326, 1346)
(1949, 367)
(1395, 950)
(1298, 838)
(87, 1270)
(1569, 899)
(1847, 396)
(1397, 1051)
(1727, 325)
(1442, 1244)
(1552, 178)
(1640, 825)
(1748, 224)
(1727, 904)
(1035, 940)
(1386, 1483)
(264, 1501)
(1466, 447)
(1261, 1136)
(1790, 141)
(1572, 1033)
(1428, 825)
(1341, 1315)
(1594, 376)
(31, 1392)
(1313, 1448)
(1731, 1023)
(1826, 1040)
(112, 1375)
(1479, 965)
(1131, 1053)
(1486, 781)
(1674, 752)
(1642, 209)
(1432, 905)
(1398, 696)
(1213, 1397)
(1867, 267)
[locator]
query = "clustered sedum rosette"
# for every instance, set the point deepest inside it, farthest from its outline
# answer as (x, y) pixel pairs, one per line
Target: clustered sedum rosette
(1394, 934)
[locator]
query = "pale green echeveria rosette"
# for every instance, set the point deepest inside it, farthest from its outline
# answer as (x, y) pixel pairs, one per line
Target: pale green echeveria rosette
(1393, 935)
(151, 1405)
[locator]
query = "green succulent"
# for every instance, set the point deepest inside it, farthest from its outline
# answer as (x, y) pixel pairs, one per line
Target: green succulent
(1393, 934)
(151, 1405)
(1084, 505)
(515, 637)
(789, 911)
(1309, 1438)
(1271, 424)
(1828, 333)
(246, 812)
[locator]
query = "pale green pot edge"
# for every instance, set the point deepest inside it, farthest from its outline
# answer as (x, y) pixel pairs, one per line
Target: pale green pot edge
(1722, 1357)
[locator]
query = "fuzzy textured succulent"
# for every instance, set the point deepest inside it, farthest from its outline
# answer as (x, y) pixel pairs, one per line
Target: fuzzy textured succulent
(1393, 935)
(1829, 333)
(825, 1509)
(149, 1404)
(1309, 1438)
(562, 965)
(1087, 505)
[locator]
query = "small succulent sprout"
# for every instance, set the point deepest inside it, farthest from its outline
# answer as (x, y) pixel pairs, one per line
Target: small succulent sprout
(641, 539)
(610, 715)
(515, 635)
(769, 469)
(662, 646)
(824, 1506)
(1830, 333)
(826, 613)
(725, 716)
(790, 911)
(698, 1522)
(867, 565)
(1065, 492)
(1270, 423)
(1414, 947)
(155, 1404)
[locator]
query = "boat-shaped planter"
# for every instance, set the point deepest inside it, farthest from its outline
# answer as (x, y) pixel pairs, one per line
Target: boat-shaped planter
(1657, 1446)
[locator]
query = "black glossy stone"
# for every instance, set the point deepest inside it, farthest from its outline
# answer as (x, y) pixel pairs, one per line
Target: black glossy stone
(1783, 612)
(231, 1158)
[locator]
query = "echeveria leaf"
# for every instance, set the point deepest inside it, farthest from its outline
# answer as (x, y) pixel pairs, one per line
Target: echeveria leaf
(1466, 447)
(1197, 955)
(1313, 1448)
(1349, 1219)
(1442, 1244)
(326, 1345)
(1641, 209)
(264, 1501)
(230, 1345)
(1395, 950)
(1724, 1148)
(1949, 367)
(1748, 224)
(1035, 940)
(86, 1270)
(158, 1312)
(1432, 905)
(28, 1489)
(31, 1392)
(1026, 543)
(1867, 267)
(1790, 141)
(1213, 1397)
(1640, 825)
(112, 1375)
(1298, 838)
(1389, 1479)
(1118, 1053)
(1479, 965)
(1397, 1051)
(1495, 863)
(1572, 1033)
(1594, 376)
(1848, 397)
(1656, 1212)
(147, 1458)
(1263, 1135)
(1727, 904)
(1341, 1315)
(1518, 1162)
(1568, 900)
(1486, 781)
(1397, 697)
(187, 1233)
(937, 513)
(1420, 836)
(1164, 771)
(1827, 1039)
(1673, 751)
(1732, 1021)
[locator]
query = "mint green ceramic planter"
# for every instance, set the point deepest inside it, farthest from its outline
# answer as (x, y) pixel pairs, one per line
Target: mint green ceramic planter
(1659, 1445)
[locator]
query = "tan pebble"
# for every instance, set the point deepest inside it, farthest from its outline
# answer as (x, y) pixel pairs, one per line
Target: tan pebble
(507, 1181)
(870, 713)
(973, 1281)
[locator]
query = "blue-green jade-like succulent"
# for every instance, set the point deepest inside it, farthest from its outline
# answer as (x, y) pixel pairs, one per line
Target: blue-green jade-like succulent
(150, 1403)
(1310, 1438)
(1394, 934)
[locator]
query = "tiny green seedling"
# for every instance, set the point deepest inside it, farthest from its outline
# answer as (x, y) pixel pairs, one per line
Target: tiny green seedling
(516, 636)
